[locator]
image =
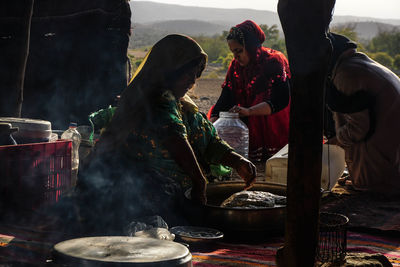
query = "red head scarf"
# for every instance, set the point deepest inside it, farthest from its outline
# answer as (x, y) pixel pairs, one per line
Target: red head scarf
(252, 28)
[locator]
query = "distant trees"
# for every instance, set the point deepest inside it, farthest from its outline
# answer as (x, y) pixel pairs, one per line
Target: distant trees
(273, 39)
(347, 30)
(384, 48)
(388, 42)
(396, 63)
(384, 58)
(214, 46)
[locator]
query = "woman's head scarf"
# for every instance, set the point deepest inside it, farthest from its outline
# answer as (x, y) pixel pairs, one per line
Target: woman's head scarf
(248, 34)
(168, 57)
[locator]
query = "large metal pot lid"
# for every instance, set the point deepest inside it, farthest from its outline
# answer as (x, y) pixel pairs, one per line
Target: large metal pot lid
(27, 123)
(122, 249)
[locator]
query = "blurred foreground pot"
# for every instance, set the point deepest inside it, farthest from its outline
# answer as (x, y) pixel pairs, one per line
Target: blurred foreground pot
(112, 251)
(239, 224)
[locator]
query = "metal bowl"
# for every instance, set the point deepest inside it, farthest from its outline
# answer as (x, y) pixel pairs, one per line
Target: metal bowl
(196, 234)
(247, 224)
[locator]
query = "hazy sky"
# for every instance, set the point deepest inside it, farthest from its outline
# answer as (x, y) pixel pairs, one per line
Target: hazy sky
(387, 9)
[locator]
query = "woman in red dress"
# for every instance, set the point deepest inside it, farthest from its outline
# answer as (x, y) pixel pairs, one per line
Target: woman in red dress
(257, 87)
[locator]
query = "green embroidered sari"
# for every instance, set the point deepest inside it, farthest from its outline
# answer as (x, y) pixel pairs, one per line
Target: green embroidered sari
(176, 118)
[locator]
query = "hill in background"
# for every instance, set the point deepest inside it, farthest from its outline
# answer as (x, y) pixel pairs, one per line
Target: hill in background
(151, 21)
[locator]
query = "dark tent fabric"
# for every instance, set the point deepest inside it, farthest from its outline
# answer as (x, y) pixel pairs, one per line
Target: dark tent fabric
(77, 57)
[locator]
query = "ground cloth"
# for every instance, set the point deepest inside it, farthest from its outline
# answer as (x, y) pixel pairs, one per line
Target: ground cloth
(24, 247)
(365, 210)
(264, 254)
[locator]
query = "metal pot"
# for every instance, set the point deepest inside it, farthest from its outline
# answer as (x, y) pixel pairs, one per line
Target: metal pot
(241, 224)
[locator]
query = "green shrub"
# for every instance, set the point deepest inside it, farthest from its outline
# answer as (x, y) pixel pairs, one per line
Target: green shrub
(396, 63)
(212, 75)
(383, 58)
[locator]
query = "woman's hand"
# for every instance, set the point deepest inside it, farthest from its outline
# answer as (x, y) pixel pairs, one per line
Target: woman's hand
(198, 193)
(243, 167)
(247, 170)
(243, 112)
(260, 109)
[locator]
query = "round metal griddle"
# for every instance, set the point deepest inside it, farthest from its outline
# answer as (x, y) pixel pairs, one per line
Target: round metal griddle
(120, 251)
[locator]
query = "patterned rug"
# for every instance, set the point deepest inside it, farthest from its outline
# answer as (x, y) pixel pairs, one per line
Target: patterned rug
(21, 246)
(264, 255)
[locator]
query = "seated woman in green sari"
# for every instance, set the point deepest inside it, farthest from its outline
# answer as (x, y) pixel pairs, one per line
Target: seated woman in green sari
(159, 132)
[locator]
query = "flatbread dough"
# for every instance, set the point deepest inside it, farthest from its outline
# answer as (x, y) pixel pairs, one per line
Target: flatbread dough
(253, 200)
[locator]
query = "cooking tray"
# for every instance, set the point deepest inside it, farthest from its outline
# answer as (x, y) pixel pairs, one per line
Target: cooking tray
(236, 223)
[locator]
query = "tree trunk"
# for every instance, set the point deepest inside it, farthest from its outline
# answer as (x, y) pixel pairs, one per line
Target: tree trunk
(304, 23)
(14, 42)
(25, 40)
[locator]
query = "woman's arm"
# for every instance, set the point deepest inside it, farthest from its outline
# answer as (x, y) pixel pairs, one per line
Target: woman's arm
(262, 108)
(243, 166)
(352, 128)
(183, 154)
(279, 99)
(224, 103)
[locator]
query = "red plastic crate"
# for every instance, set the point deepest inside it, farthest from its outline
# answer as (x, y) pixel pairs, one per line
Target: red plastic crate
(34, 174)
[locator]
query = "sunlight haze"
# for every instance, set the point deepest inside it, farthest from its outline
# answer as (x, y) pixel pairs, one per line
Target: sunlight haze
(385, 9)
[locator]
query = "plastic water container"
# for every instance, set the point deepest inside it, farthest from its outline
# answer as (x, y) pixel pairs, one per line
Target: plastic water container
(333, 166)
(234, 131)
(72, 134)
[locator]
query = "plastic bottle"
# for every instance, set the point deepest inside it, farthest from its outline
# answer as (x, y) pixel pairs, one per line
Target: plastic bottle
(72, 134)
(233, 131)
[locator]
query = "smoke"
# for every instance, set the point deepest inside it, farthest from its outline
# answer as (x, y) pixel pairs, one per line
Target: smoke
(113, 192)
(73, 72)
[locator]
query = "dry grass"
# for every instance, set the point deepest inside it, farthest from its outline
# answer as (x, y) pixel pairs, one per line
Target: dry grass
(206, 93)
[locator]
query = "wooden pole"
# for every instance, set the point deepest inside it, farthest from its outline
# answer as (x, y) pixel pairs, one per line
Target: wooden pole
(24, 52)
(304, 23)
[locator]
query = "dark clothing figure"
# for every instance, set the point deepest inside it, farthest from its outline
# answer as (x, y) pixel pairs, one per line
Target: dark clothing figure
(365, 121)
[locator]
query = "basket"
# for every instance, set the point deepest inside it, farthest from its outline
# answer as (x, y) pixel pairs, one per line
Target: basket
(332, 242)
(34, 174)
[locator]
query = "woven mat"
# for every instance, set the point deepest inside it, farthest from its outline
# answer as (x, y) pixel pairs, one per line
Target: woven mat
(22, 246)
(365, 210)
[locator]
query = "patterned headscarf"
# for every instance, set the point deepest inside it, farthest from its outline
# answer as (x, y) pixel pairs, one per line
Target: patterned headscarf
(167, 58)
